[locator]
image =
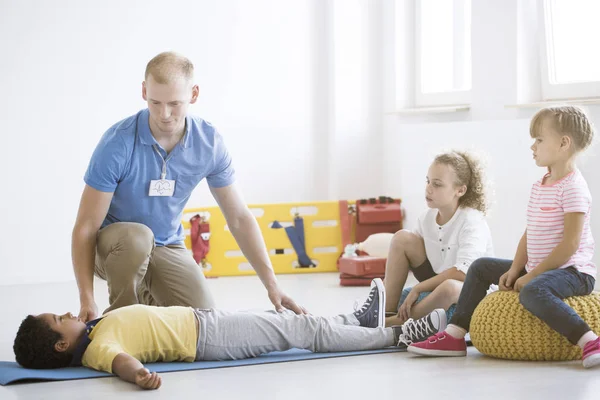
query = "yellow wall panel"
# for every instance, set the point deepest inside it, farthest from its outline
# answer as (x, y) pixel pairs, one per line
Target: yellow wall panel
(321, 229)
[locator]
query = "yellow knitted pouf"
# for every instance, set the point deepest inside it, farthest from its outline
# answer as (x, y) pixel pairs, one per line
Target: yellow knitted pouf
(501, 327)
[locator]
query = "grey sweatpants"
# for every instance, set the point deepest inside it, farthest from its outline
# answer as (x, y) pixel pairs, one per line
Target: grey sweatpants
(235, 335)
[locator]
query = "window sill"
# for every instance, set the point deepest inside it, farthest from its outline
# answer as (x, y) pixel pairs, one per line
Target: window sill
(431, 110)
(547, 103)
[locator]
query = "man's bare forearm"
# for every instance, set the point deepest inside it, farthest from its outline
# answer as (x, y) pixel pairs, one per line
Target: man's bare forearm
(248, 236)
(83, 253)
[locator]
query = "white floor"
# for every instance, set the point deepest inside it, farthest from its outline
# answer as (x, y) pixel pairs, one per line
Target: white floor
(387, 376)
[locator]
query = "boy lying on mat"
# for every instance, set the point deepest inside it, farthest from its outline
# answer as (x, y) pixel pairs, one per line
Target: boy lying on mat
(123, 339)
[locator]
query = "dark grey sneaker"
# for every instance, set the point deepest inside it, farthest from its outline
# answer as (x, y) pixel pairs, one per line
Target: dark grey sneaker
(416, 331)
(372, 312)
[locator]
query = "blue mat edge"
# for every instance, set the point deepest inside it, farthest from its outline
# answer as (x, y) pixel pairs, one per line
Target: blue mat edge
(17, 374)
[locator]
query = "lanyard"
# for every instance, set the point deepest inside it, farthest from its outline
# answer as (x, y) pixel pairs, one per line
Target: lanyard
(163, 174)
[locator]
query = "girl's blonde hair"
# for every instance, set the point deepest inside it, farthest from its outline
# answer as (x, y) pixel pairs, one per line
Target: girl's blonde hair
(469, 172)
(567, 120)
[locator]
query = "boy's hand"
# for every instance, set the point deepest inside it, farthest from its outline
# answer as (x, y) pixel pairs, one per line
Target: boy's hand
(147, 380)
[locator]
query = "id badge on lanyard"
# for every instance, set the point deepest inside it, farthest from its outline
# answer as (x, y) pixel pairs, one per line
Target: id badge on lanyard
(162, 187)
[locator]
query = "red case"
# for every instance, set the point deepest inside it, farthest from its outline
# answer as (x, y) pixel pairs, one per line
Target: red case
(362, 266)
(376, 216)
(378, 213)
(355, 282)
(349, 280)
(365, 218)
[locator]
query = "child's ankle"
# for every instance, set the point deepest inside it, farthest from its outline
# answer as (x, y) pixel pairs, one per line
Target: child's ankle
(456, 331)
(393, 321)
(587, 337)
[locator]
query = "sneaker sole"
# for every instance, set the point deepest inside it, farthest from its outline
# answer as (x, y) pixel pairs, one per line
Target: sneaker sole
(381, 309)
(591, 361)
(436, 353)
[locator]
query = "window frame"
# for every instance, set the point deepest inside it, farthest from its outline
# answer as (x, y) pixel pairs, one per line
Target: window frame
(454, 97)
(557, 91)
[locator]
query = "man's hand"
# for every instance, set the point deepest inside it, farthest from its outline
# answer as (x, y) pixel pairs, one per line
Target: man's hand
(404, 311)
(522, 281)
(88, 311)
(147, 380)
(508, 279)
(281, 301)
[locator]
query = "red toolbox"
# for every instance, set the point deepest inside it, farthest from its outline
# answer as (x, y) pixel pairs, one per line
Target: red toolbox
(383, 214)
(362, 265)
(351, 280)
(360, 220)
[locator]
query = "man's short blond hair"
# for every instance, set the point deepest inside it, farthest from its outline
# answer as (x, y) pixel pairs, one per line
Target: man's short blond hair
(169, 66)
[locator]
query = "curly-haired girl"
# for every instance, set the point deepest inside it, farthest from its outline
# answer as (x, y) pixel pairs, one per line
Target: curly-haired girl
(448, 238)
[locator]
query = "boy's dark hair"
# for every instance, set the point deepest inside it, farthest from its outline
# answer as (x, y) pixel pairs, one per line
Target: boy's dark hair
(34, 345)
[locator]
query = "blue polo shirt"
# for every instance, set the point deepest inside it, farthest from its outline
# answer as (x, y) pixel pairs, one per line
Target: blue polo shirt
(125, 162)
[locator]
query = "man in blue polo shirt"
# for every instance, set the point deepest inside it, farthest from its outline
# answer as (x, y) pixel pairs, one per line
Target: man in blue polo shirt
(128, 229)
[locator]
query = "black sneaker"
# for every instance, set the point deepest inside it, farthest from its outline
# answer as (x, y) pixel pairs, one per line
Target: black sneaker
(416, 331)
(372, 312)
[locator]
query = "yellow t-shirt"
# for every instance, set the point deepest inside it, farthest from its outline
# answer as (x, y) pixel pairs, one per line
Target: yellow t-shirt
(147, 333)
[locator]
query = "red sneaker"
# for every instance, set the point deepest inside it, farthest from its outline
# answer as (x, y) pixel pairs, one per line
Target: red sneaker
(591, 354)
(440, 344)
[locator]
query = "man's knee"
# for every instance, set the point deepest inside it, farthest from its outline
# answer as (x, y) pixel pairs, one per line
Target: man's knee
(126, 236)
(125, 247)
(139, 239)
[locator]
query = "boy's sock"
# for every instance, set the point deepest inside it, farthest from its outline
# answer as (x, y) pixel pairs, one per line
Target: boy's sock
(397, 332)
(456, 331)
(587, 337)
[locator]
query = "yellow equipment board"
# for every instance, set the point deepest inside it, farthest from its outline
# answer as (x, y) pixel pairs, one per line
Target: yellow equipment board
(321, 230)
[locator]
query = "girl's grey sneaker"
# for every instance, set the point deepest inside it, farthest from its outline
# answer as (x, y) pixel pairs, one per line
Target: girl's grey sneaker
(416, 331)
(372, 312)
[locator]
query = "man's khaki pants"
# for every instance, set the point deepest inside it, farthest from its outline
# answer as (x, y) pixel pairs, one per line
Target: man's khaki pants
(138, 272)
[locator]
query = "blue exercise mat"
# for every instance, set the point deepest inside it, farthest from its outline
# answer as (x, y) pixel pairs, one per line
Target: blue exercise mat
(11, 372)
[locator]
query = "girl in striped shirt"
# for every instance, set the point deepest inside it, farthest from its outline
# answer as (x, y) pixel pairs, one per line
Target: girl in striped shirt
(554, 257)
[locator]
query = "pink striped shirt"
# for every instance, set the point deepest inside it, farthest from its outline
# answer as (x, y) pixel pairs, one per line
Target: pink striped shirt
(545, 221)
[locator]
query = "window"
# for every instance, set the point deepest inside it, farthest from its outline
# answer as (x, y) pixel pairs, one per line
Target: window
(570, 57)
(443, 52)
